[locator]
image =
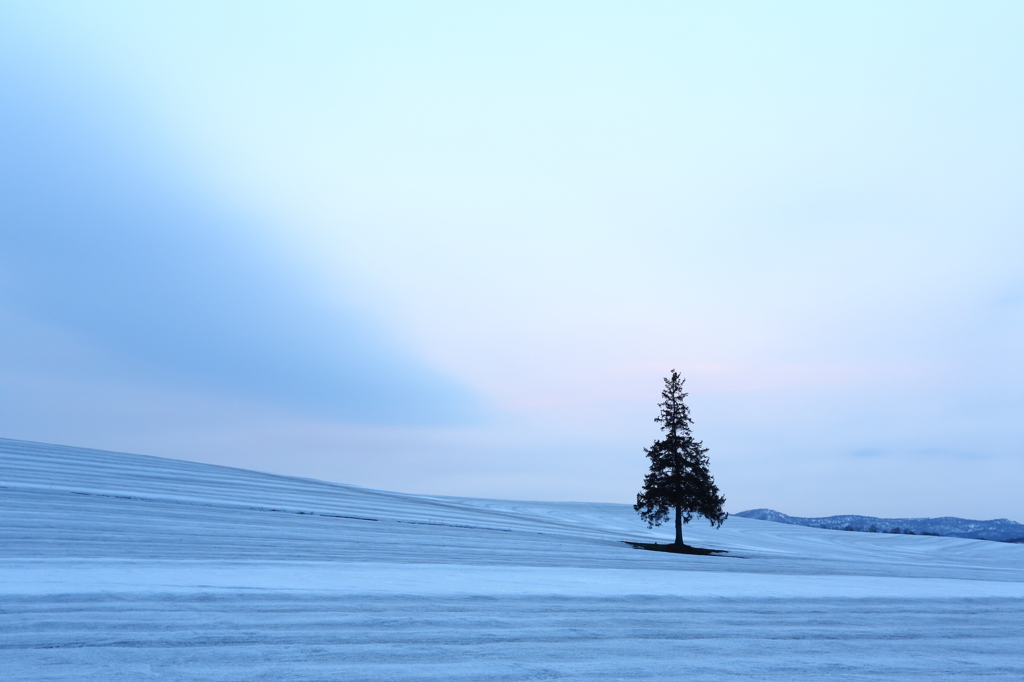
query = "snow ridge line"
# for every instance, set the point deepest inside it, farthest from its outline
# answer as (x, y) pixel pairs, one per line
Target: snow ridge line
(193, 502)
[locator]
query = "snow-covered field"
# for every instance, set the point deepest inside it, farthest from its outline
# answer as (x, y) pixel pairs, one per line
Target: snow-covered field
(125, 567)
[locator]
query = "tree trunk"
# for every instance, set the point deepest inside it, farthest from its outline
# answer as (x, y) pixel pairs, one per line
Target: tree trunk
(679, 526)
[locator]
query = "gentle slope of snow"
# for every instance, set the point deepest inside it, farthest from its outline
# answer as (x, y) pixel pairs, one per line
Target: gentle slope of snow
(122, 566)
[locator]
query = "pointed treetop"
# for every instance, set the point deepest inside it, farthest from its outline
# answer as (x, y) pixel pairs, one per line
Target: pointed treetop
(675, 415)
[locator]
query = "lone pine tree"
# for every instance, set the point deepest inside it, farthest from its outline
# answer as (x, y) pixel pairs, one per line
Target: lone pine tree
(679, 478)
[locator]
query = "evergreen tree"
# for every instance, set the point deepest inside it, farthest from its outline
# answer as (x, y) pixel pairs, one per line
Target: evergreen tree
(678, 478)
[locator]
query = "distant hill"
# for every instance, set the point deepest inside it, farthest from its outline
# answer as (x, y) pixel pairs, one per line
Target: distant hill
(1002, 530)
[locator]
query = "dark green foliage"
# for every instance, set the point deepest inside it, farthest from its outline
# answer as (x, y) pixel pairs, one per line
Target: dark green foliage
(678, 478)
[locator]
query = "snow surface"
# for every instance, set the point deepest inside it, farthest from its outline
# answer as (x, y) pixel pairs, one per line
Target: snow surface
(126, 567)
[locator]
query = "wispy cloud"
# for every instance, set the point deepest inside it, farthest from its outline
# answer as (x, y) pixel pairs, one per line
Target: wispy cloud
(101, 236)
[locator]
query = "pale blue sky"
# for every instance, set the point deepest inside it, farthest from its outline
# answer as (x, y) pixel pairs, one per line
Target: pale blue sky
(453, 248)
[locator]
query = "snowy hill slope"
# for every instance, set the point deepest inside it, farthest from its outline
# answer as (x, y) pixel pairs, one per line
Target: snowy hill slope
(117, 566)
(1002, 530)
(70, 502)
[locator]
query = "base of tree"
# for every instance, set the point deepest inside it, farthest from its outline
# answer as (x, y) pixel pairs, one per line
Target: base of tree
(674, 548)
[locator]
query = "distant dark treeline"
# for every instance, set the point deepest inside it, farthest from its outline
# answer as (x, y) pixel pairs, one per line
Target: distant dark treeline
(999, 530)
